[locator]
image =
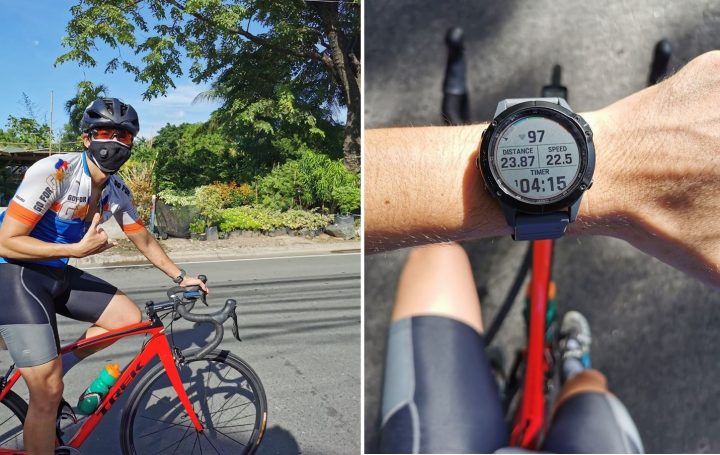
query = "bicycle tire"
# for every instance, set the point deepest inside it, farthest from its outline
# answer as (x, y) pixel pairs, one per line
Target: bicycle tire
(12, 418)
(172, 429)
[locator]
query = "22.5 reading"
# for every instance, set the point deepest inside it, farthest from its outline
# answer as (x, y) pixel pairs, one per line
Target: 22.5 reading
(541, 185)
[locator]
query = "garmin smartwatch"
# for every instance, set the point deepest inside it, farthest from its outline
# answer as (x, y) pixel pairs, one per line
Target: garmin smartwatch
(537, 159)
(179, 279)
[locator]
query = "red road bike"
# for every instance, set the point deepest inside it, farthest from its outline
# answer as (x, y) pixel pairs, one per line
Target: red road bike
(199, 401)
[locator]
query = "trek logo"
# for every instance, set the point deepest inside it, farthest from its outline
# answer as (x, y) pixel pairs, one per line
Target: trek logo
(104, 409)
(47, 192)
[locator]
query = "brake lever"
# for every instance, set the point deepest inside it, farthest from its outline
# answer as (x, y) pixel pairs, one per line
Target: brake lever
(203, 295)
(235, 332)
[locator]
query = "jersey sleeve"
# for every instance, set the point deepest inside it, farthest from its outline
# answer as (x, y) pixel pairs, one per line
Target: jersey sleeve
(127, 216)
(38, 191)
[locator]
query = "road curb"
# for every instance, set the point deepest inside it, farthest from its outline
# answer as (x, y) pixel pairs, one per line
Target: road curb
(230, 254)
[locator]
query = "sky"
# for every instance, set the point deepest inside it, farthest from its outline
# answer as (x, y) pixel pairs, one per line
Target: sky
(30, 37)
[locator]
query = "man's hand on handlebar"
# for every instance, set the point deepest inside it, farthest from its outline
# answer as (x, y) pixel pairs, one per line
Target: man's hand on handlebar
(192, 281)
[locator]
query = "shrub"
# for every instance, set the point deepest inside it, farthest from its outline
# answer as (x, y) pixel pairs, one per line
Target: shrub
(347, 198)
(314, 180)
(178, 198)
(138, 178)
(245, 218)
(299, 219)
(197, 226)
(256, 218)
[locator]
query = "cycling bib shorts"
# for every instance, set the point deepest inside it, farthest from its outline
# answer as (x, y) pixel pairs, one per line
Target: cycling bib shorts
(32, 297)
(440, 396)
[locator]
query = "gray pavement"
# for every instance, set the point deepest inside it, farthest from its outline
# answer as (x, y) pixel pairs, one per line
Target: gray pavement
(656, 333)
(299, 320)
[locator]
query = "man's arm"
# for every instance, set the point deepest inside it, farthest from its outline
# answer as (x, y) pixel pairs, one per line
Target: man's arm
(152, 250)
(422, 186)
(657, 177)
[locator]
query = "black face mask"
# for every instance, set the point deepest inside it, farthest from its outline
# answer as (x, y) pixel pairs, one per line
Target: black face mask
(108, 155)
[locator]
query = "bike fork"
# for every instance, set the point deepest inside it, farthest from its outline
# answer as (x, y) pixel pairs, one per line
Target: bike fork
(166, 357)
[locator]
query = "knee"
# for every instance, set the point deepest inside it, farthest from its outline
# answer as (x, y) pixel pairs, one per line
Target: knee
(47, 393)
(134, 315)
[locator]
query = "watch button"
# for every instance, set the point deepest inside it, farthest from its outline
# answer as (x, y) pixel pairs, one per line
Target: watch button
(590, 185)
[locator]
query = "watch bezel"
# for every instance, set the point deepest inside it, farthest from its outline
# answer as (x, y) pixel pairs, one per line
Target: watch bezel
(575, 125)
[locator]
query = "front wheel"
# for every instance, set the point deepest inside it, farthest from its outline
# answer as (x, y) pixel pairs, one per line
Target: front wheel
(13, 410)
(225, 393)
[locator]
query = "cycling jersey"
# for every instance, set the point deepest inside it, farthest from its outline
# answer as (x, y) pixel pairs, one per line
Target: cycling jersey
(54, 198)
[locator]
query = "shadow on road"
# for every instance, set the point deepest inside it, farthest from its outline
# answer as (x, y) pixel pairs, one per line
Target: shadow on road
(278, 440)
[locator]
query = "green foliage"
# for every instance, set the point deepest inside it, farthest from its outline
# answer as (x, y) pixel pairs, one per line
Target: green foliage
(25, 132)
(282, 188)
(347, 198)
(308, 49)
(211, 203)
(197, 226)
(242, 218)
(178, 198)
(299, 219)
(192, 155)
(85, 93)
(256, 218)
(138, 177)
(314, 180)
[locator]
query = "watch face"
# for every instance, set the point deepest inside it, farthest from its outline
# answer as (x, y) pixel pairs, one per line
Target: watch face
(535, 159)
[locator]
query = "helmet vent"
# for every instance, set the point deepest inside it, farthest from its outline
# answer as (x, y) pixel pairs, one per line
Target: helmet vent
(123, 109)
(109, 106)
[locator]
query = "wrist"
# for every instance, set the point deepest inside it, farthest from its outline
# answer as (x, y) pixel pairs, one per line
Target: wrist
(72, 250)
(603, 206)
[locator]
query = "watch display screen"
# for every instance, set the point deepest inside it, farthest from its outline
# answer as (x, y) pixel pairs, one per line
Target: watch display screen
(535, 159)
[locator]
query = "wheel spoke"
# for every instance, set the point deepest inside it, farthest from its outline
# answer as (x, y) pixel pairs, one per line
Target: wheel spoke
(231, 427)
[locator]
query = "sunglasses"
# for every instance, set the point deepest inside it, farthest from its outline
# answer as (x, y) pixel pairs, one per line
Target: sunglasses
(122, 136)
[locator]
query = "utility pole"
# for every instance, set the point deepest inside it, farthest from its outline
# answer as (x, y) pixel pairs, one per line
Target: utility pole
(51, 123)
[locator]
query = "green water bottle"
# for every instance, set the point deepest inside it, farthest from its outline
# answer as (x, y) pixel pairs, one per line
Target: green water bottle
(93, 395)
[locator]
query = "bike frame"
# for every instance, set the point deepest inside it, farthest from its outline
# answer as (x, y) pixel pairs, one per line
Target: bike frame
(530, 419)
(157, 346)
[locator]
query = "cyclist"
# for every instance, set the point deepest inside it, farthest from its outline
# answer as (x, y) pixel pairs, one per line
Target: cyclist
(657, 186)
(56, 214)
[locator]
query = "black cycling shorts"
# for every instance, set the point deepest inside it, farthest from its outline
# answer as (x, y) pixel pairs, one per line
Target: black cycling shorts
(440, 396)
(32, 296)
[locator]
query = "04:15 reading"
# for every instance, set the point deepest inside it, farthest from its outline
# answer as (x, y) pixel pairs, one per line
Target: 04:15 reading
(541, 184)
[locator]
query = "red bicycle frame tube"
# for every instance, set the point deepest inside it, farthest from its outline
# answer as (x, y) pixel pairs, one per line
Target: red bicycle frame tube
(530, 418)
(157, 345)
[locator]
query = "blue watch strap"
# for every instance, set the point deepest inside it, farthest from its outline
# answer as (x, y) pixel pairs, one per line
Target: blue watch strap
(540, 227)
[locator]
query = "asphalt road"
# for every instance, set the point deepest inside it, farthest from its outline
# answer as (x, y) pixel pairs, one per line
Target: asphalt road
(656, 333)
(299, 320)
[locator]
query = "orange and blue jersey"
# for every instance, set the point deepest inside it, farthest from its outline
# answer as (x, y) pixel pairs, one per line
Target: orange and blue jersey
(54, 198)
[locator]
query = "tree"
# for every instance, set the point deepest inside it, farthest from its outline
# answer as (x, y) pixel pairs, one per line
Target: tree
(251, 46)
(25, 132)
(86, 92)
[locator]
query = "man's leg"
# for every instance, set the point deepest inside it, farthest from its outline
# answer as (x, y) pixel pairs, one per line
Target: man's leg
(92, 299)
(587, 417)
(439, 393)
(45, 385)
(29, 327)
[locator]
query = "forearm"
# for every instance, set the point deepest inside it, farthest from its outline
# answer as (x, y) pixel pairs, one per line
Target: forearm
(152, 250)
(25, 247)
(424, 186)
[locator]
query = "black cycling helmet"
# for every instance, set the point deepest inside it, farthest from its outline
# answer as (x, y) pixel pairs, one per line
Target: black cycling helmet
(110, 113)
